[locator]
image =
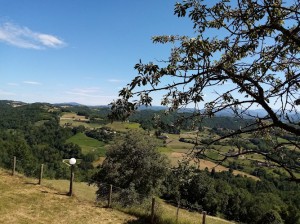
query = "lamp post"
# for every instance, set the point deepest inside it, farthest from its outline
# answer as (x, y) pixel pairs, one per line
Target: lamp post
(72, 162)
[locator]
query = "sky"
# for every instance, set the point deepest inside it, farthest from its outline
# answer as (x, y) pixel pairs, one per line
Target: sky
(80, 51)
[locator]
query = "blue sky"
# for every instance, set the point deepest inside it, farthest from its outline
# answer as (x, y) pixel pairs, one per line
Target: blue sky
(79, 51)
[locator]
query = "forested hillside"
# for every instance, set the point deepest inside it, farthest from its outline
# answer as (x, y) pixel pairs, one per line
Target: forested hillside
(32, 133)
(44, 133)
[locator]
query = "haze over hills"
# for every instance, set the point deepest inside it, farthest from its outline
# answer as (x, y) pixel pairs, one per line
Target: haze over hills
(224, 113)
(68, 104)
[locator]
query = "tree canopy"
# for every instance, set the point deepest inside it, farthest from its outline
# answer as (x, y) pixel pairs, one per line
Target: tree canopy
(133, 162)
(247, 54)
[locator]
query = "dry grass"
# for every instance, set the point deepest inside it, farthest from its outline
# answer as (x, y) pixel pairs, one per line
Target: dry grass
(202, 164)
(184, 216)
(73, 116)
(23, 201)
(179, 150)
(86, 192)
(74, 120)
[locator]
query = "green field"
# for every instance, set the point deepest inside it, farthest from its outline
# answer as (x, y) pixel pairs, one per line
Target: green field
(88, 145)
(123, 126)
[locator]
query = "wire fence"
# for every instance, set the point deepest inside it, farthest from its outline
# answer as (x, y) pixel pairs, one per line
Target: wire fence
(126, 200)
(151, 209)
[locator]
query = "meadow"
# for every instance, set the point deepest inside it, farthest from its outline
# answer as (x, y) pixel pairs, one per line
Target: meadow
(173, 148)
(88, 145)
(22, 200)
(166, 212)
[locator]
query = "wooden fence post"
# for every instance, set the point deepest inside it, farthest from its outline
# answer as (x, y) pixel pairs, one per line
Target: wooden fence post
(177, 212)
(153, 210)
(71, 181)
(14, 166)
(109, 196)
(204, 217)
(41, 174)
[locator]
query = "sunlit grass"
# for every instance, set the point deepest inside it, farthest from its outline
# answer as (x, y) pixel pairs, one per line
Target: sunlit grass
(123, 126)
(88, 144)
(168, 215)
(164, 149)
(23, 201)
(81, 190)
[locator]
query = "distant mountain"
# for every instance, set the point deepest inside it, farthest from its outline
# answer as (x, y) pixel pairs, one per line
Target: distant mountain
(155, 108)
(228, 112)
(68, 104)
(259, 113)
(252, 113)
(12, 103)
(223, 113)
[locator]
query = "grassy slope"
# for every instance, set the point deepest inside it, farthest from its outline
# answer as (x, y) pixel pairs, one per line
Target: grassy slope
(185, 216)
(88, 144)
(75, 120)
(22, 201)
(123, 126)
(85, 192)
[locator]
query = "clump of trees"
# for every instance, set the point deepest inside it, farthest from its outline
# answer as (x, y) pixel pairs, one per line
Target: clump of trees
(104, 134)
(235, 197)
(252, 47)
(133, 163)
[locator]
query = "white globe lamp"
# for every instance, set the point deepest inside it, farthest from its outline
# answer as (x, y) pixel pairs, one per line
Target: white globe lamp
(72, 161)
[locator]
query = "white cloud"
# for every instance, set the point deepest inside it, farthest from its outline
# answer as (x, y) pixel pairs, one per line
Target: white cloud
(32, 83)
(115, 80)
(88, 90)
(84, 92)
(12, 84)
(50, 41)
(23, 37)
(93, 92)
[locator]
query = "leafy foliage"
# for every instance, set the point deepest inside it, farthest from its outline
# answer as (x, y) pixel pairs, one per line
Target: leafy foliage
(133, 163)
(247, 52)
(237, 198)
(104, 134)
